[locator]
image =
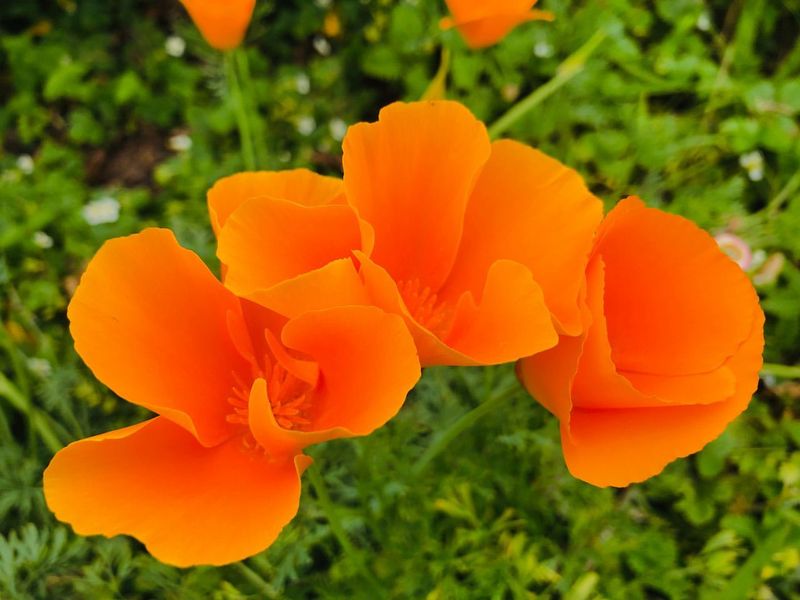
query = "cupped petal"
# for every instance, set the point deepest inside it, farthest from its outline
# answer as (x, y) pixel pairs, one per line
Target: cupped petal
(469, 10)
(617, 447)
(151, 322)
(188, 504)
(223, 24)
(674, 302)
(336, 284)
(266, 242)
(530, 208)
(300, 186)
(511, 320)
(487, 31)
(409, 176)
(367, 364)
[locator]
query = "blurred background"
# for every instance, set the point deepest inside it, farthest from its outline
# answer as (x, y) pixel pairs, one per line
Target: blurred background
(115, 116)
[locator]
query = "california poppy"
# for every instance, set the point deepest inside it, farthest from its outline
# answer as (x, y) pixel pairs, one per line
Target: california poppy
(223, 24)
(239, 392)
(670, 356)
(480, 246)
(485, 23)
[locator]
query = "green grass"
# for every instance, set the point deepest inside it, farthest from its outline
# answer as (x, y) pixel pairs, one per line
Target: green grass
(673, 96)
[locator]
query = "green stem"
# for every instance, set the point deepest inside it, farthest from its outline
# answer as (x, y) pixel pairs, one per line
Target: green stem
(255, 579)
(251, 107)
(568, 69)
(461, 425)
(329, 510)
(242, 118)
(786, 192)
(782, 371)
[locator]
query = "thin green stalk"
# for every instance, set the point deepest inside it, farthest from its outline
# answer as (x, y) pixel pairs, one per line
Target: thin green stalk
(782, 371)
(242, 118)
(251, 106)
(461, 425)
(782, 196)
(255, 579)
(329, 510)
(568, 69)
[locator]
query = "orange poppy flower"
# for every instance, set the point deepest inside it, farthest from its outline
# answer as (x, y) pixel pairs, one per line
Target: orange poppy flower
(239, 392)
(481, 247)
(485, 23)
(223, 24)
(671, 354)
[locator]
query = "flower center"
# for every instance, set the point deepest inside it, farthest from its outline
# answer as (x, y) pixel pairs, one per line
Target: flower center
(289, 397)
(425, 306)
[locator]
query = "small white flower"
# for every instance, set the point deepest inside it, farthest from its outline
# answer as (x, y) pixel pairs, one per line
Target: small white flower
(322, 3)
(543, 49)
(703, 22)
(179, 143)
(322, 45)
(40, 367)
(175, 46)
(338, 128)
(41, 239)
(103, 210)
(306, 125)
(25, 163)
(302, 84)
(753, 163)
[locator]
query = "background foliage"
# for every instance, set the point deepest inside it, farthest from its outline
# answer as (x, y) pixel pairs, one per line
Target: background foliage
(692, 104)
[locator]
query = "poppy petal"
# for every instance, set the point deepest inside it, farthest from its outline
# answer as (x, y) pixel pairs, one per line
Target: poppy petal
(409, 176)
(367, 363)
(617, 447)
(532, 209)
(188, 504)
(151, 322)
(335, 284)
(223, 25)
(267, 241)
(484, 32)
(297, 185)
(692, 301)
(277, 442)
(510, 321)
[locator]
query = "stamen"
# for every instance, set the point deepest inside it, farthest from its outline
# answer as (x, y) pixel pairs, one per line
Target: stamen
(424, 305)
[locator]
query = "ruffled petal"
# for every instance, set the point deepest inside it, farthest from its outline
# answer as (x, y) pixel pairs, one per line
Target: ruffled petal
(487, 31)
(266, 242)
(188, 504)
(409, 176)
(530, 208)
(151, 322)
(511, 320)
(300, 186)
(367, 363)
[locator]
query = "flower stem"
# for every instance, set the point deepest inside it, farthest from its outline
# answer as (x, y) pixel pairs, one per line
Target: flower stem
(782, 371)
(568, 69)
(461, 425)
(242, 117)
(251, 107)
(329, 510)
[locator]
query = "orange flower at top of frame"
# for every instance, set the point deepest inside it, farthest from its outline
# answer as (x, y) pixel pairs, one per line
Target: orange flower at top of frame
(239, 392)
(670, 357)
(485, 22)
(223, 23)
(480, 246)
